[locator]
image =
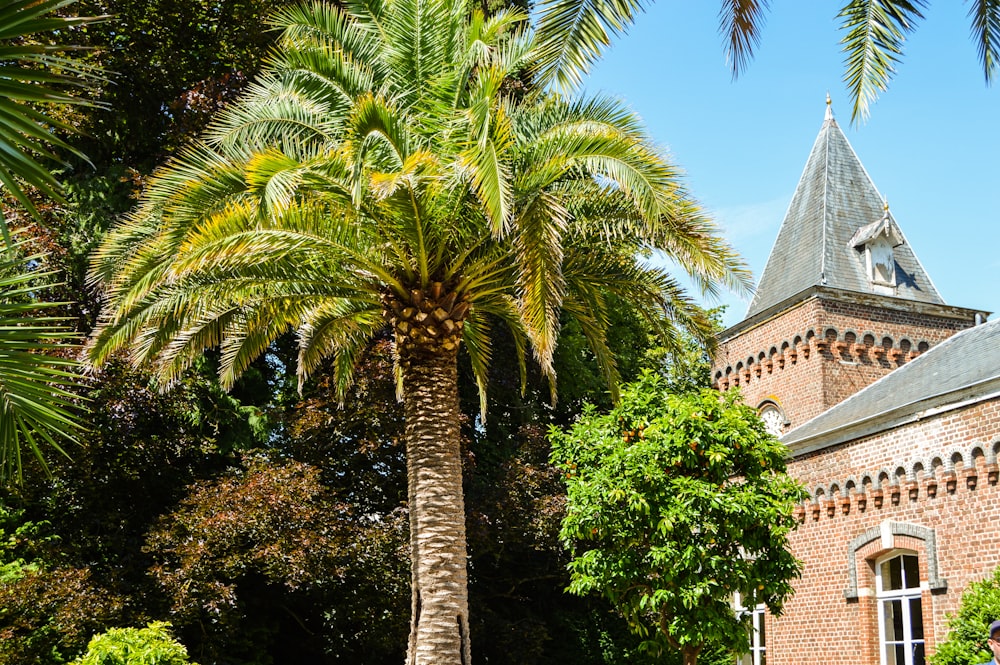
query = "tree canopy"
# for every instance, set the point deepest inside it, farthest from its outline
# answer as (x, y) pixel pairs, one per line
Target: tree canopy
(675, 504)
(390, 170)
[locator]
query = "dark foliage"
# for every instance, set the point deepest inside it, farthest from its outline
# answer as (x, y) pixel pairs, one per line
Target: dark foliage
(174, 63)
(251, 560)
(47, 615)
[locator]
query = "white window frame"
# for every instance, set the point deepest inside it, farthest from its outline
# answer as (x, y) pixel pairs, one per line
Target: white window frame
(757, 655)
(878, 252)
(906, 594)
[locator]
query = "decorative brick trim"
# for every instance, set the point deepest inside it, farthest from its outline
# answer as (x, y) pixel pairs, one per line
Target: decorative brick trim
(934, 581)
(833, 342)
(934, 474)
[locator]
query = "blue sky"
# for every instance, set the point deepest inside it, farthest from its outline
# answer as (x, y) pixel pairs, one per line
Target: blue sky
(930, 146)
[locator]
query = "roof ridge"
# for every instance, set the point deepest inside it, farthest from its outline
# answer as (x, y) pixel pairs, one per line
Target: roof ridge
(828, 121)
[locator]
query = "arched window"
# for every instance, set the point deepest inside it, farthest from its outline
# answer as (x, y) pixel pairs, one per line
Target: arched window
(900, 615)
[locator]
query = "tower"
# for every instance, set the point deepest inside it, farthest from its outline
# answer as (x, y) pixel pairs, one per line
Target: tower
(842, 301)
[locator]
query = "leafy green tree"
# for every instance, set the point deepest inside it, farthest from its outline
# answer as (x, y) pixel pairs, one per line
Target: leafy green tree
(152, 645)
(875, 32)
(382, 172)
(969, 628)
(675, 503)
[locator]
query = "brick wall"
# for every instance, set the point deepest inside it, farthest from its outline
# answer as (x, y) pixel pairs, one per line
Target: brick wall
(820, 351)
(929, 487)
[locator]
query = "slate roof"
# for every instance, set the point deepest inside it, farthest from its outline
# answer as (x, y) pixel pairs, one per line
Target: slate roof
(964, 367)
(835, 198)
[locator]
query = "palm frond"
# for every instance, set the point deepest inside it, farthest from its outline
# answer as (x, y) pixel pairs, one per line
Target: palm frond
(740, 23)
(985, 15)
(490, 142)
(282, 112)
(540, 283)
(376, 121)
(35, 73)
(876, 30)
(477, 338)
(572, 34)
(420, 47)
(341, 47)
(657, 296)
(340, 329)
(38, 370)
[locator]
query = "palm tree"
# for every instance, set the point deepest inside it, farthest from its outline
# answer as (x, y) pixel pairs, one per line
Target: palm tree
(875, 31)
(391, 168)
(35, 368)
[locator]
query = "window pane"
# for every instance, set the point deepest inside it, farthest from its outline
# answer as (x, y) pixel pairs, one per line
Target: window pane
(760, 628)
(746, 659)
(892, 612)
(911, 572)
(892, 574)
(894, 654)
(763, 658)
(918, 653)
(916, 620)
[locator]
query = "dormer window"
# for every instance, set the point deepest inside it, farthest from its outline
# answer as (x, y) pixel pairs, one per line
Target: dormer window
(881, 262)
(877, 240)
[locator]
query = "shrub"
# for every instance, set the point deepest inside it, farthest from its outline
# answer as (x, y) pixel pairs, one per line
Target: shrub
(151, 645)
(967, 630)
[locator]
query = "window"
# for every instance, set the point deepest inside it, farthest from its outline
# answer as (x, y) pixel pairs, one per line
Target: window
(877, 240)
(881, 262)
(900, 615)
(758, 652)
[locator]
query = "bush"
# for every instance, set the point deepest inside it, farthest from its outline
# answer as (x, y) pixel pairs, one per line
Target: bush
(46, 616)
(151, 645)
(967, 630)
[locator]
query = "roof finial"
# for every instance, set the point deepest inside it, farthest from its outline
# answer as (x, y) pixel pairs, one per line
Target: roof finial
(829, 108)
(885, 205)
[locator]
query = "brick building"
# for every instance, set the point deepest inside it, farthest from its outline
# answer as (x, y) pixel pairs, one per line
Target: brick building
(889, 401)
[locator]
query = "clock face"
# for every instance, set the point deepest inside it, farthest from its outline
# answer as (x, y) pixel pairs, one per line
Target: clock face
(774, 422)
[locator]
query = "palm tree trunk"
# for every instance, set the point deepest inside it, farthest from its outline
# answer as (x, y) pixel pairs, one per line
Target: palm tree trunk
(439, 623)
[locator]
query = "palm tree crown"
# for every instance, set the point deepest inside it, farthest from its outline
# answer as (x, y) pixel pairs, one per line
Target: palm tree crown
(395, 166)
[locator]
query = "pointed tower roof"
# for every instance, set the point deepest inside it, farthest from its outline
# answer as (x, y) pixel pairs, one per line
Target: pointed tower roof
(838, 233)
